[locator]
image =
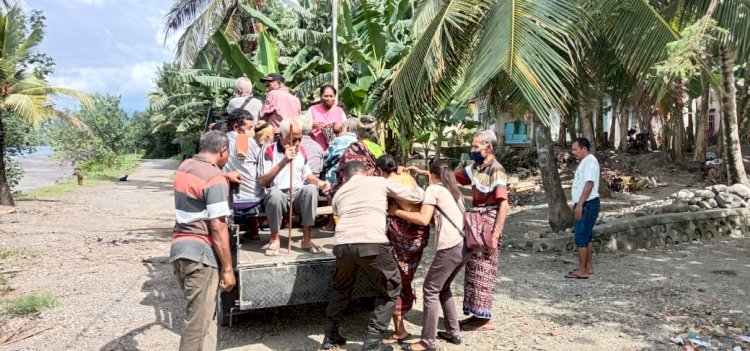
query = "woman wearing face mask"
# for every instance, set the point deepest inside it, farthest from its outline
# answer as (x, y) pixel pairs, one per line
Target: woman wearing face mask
(326, 117)
(490, 199)
(443, 205)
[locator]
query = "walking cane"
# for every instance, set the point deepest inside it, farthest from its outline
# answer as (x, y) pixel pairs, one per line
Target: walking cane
(291, 190)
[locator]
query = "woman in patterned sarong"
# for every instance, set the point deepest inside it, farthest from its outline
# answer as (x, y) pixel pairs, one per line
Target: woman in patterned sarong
(409, 241)
(488, 189)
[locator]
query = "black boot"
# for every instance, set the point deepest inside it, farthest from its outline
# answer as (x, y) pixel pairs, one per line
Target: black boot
(332, 337)
(374, 342)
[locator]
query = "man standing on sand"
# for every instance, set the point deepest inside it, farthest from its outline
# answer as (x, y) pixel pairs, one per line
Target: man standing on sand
(585, 193)
(280, 102)
(200, 256)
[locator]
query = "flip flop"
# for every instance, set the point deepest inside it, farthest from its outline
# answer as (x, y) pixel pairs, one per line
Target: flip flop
(576, 269)
(313, 249)
(395, 340)
(408, 347)
(572, 275)
(488, 326)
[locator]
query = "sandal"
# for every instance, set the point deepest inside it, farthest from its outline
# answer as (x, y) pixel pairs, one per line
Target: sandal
(573, 275)
(273, 250)
(408, 347)
(313, 249)
(486, 326)
(578, 269)
(394, 339)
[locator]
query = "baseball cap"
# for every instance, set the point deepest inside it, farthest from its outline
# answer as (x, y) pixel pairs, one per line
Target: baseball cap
(272, 77)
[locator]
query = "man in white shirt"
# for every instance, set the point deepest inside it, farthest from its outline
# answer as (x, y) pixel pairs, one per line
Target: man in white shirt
(243, 92)
(276, 159)
(585, 194)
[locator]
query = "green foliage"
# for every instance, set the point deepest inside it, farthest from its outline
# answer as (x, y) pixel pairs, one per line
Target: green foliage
(31, 303)
(686, 54)
(19, 139)
(109, 133)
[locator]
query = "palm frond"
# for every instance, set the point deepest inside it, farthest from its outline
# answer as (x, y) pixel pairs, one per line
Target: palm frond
(197, 33)
(428, 75)
(181, 13)
(530, 42)
(638, 33)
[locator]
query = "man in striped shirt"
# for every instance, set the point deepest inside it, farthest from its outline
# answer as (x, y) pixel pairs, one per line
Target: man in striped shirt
(200, 242)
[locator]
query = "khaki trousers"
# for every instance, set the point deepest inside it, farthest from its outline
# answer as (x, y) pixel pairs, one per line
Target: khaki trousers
(200, 284)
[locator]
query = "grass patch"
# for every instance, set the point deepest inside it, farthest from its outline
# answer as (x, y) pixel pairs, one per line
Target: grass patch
(95, 174)
(31, 303)
(6, 253)
(4, 288)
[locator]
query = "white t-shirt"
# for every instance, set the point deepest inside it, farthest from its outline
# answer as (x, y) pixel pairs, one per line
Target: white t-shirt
(447, 235)
(587, 171)
(274, 154)
(253, 106)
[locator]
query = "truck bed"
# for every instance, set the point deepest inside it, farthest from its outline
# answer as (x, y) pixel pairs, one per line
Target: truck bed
(250, 255)
(293, 278)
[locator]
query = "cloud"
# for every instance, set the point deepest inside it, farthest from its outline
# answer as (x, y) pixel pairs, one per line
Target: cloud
(136, 78)
(106, 46)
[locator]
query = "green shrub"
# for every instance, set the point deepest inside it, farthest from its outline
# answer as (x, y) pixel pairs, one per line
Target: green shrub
(31, 303)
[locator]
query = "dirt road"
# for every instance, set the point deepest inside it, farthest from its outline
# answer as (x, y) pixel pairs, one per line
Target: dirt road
(103, 252)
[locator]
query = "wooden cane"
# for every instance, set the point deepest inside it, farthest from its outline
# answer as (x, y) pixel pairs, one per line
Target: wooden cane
(291, 190)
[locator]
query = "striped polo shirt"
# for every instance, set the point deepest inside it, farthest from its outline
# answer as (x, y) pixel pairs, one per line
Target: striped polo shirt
(200, 194)
(488, 184)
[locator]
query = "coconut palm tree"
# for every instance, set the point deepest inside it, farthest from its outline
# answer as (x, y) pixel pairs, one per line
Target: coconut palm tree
(21, 93)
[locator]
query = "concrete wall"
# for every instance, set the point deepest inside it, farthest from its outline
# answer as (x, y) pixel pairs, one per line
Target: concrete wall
(651, 231)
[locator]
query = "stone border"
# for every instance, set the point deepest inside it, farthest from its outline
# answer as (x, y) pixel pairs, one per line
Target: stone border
(651, 231)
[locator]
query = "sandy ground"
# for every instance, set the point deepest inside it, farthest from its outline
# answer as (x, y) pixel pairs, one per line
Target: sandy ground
(41, 170)
(103, 251)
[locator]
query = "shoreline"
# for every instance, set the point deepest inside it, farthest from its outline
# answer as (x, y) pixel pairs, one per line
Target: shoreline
(41, 170)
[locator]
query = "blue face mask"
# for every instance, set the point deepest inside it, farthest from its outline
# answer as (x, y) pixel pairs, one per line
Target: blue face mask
(477, 157)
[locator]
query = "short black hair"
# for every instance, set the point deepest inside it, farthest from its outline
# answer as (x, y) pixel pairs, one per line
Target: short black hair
(583, 143)
(387, 163)
(353, 167)
(238, 116)
(220, 126)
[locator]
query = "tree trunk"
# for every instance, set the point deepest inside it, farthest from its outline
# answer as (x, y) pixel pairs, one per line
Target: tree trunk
(572, 127)
(6, 197)
(597, 123)
(690, 127)
(613, 128)
(733, 153)
(699, 151)
(652, 134)
(561, 133)
(560, 214)
(678, 120)
(586, 128)
(624, 119)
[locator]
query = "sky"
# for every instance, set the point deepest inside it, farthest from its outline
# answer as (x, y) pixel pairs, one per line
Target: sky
(106, 46)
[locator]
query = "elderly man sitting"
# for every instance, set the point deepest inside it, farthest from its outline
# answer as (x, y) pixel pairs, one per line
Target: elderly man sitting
(277, 158)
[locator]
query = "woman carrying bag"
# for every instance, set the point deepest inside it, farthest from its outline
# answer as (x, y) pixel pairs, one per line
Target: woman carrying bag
(443, 205)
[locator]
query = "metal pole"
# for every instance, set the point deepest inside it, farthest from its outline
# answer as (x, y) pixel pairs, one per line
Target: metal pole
(334, 35)
(291, 191)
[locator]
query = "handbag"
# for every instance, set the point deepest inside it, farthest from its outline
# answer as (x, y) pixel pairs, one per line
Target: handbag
(477, 231)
